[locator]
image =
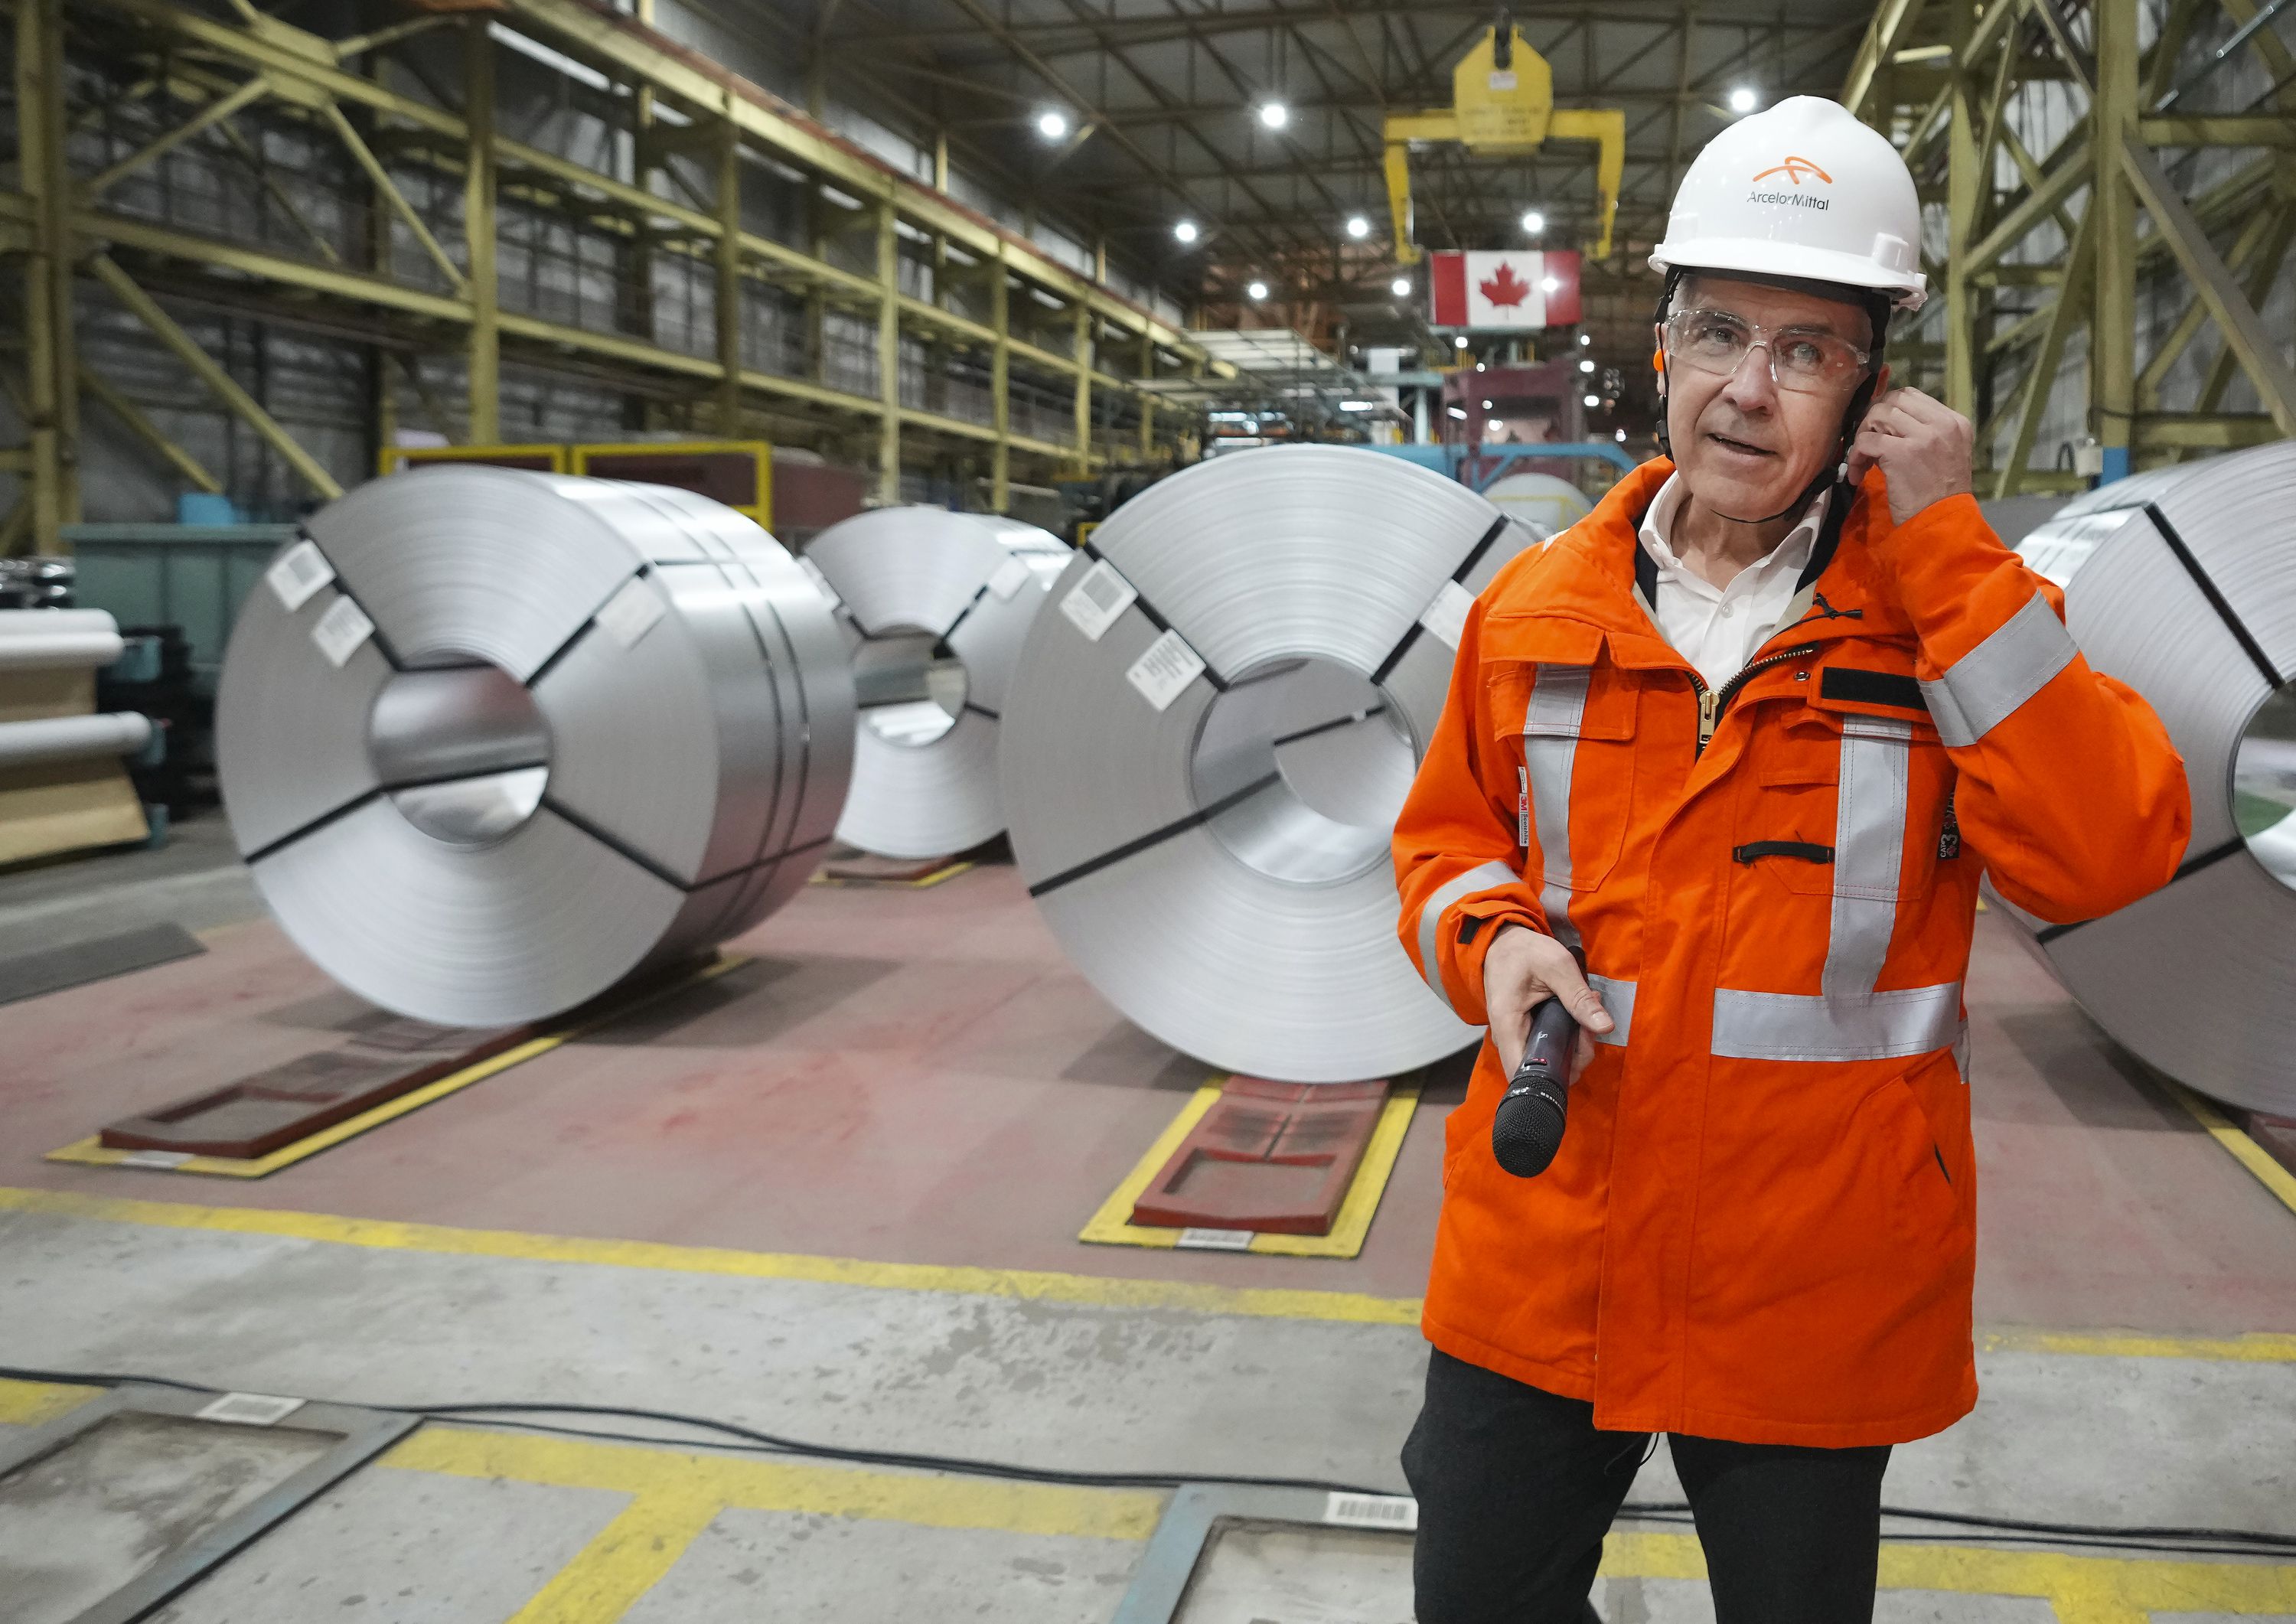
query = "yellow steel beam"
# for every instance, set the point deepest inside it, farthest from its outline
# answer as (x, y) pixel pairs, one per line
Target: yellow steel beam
(726, 264)
(1892, 26)
(645, 57)
(210, 372)
(387, 190)
(2244, 129)
(129, 233)
(1000, 394)
(214, 112)
(52, 422)
(2206, 431)
(182, 461)
(483, 363)
(2244, 333)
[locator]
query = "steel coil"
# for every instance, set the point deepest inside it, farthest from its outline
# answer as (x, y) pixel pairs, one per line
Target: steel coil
(72, 738)
(2182, 582)
(491, 741)
(1210, 731)
(1540, 500)
(936, 604)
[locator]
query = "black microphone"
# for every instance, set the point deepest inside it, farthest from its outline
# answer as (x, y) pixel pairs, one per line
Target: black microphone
(1527, 1129)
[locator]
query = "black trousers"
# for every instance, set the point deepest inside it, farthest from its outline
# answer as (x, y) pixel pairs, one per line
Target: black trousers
(1516, 1488)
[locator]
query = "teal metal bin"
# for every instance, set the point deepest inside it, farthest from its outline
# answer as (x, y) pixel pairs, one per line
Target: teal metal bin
(188, 575)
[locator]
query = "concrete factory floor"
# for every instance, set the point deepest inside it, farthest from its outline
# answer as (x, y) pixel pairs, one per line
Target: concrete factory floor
(833, 1194)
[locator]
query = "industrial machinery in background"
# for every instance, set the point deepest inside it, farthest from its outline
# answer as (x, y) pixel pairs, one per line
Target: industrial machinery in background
(936, 605)
(2179, 583)
(1209, 734)
(1502, 105)
(492, 741)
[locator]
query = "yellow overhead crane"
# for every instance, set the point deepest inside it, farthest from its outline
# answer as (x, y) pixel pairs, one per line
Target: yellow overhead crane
(1503, 101)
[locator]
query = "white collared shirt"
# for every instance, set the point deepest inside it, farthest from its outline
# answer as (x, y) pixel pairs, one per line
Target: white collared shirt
(1718, 628)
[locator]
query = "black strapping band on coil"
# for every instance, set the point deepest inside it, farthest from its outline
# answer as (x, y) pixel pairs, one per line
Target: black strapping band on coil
(983, 710)
(1154, 837)
(1220, 684)
(1458, 578)
(2225, 612)
(2190, 867)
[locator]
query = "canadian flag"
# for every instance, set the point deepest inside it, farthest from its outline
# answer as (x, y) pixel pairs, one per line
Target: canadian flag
(1506, 288)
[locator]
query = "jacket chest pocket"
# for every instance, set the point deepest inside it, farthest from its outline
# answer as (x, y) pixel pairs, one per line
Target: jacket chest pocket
(1567, 733)
(1843, 802)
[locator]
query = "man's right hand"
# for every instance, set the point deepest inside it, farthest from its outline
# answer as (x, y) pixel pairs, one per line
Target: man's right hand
(1521, 970)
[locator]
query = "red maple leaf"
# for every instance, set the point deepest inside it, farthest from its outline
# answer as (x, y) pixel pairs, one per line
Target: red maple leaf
(1506, 288)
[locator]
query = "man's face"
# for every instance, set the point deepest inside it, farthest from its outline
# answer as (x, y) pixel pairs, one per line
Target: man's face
(1745, 447)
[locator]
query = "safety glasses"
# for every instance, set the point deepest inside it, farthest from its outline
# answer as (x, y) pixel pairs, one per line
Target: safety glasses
(1808, 360)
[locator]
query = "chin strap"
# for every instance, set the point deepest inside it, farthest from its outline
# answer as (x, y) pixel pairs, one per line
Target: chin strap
(1836, 470)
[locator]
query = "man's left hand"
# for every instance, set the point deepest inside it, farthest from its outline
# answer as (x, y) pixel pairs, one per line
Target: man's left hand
(1921, 446)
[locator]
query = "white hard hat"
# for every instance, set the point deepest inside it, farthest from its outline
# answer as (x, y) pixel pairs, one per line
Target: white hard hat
(1800, 190)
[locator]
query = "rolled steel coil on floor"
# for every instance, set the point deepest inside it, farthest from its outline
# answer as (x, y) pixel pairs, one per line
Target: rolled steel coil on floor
(57, 639)
(1541, 500)
(1210, 731)
(936, 604)
(2182, 582)
(72, 738)
(491, 741)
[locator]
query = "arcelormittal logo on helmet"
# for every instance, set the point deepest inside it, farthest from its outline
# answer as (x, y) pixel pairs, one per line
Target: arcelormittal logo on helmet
(1796, 170)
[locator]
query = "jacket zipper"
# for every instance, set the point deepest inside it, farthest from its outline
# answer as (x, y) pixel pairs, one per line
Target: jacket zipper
(1713, 702)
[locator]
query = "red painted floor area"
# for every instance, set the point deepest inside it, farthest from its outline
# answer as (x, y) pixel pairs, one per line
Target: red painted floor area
(917, 1076)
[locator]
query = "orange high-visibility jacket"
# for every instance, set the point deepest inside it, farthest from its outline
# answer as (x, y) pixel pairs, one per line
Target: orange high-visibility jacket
(1761, 1223)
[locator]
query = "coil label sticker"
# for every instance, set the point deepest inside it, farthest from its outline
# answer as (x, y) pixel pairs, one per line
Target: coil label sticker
(300, 571)
(1094, 602)
(1397, 1514)
(340, 630)
(821, 582)
(250, 1409)
(1447, 616)
(1215, 1240)
(1165, 670)
(1011, 575)
(631, 612)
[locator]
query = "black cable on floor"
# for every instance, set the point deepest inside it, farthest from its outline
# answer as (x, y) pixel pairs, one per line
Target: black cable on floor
(1999, 1531)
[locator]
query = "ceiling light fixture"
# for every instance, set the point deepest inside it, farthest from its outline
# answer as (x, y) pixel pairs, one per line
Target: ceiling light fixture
(1258, 290)
(1402, 286)
(1587, 367)
(1460, 342)
(1274, 114)
(1185, 230)
(1742, 100)
(1534, 222)
(1549, 285)
(1585, 337)
(1594, 400)
(1052, 124)
(1358, 227)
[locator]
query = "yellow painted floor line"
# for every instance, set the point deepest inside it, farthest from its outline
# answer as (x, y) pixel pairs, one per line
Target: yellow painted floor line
(1031, 1284)
(2244, 1150)
(925, 1499)
(92, 1152)
(2082, 1589)
(1090, 1290)
(2254, 1347)
(1113, 1225)
(33, 1404)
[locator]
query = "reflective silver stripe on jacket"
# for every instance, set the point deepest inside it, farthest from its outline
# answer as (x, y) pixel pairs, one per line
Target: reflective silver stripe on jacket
(1849, 1020)
(2012, 665)
(1869, 843)
(1878, 1026)
(1619, 999)
(1551, 722)
(1482, 877)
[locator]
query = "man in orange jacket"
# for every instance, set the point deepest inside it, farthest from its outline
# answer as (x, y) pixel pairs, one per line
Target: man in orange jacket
(1720, 768)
